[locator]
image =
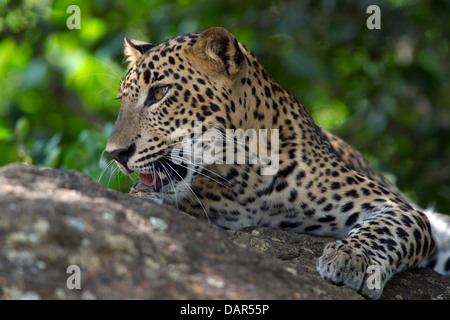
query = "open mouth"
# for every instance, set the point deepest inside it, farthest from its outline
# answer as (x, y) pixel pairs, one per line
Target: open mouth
(163, 172)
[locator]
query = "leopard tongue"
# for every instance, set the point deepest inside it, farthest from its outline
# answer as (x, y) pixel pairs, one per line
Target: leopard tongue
(149, 179)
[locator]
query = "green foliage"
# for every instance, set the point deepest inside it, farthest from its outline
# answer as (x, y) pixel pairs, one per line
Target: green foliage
(386, 91)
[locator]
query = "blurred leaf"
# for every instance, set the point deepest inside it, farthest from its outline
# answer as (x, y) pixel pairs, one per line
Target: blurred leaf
(330, 114)
(22, 128)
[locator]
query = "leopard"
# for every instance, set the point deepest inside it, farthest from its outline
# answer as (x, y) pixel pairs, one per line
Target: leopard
(205, 90)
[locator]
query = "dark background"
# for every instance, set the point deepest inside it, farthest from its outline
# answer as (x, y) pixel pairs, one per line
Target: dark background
(385, 91)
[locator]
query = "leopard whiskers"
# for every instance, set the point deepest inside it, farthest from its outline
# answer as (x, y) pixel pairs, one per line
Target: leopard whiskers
(117, 76)
(187, 184)
(239, 147)
(205, 175)
(107, 167)
(113, 171)
(170, 178)
(153, 173)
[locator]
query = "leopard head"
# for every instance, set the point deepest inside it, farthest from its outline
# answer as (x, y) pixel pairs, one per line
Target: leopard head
(169, 89)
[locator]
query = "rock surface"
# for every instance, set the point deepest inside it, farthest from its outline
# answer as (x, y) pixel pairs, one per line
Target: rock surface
(128, 247)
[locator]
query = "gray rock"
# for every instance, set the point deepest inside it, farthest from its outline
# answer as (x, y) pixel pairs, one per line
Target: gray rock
(128, 247)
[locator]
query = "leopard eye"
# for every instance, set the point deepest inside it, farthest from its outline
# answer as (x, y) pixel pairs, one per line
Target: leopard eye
(158, 93)
(155, 94)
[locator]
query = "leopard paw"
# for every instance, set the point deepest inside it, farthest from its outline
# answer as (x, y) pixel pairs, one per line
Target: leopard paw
(344, 264)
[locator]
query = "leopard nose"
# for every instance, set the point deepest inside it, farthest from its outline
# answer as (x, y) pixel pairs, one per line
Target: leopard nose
(123, 155)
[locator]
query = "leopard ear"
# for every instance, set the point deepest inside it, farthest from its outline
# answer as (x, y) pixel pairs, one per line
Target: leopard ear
(221, 49)
(134, 49)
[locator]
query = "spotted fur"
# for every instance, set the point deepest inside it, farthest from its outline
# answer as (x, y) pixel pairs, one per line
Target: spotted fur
(323, 186)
